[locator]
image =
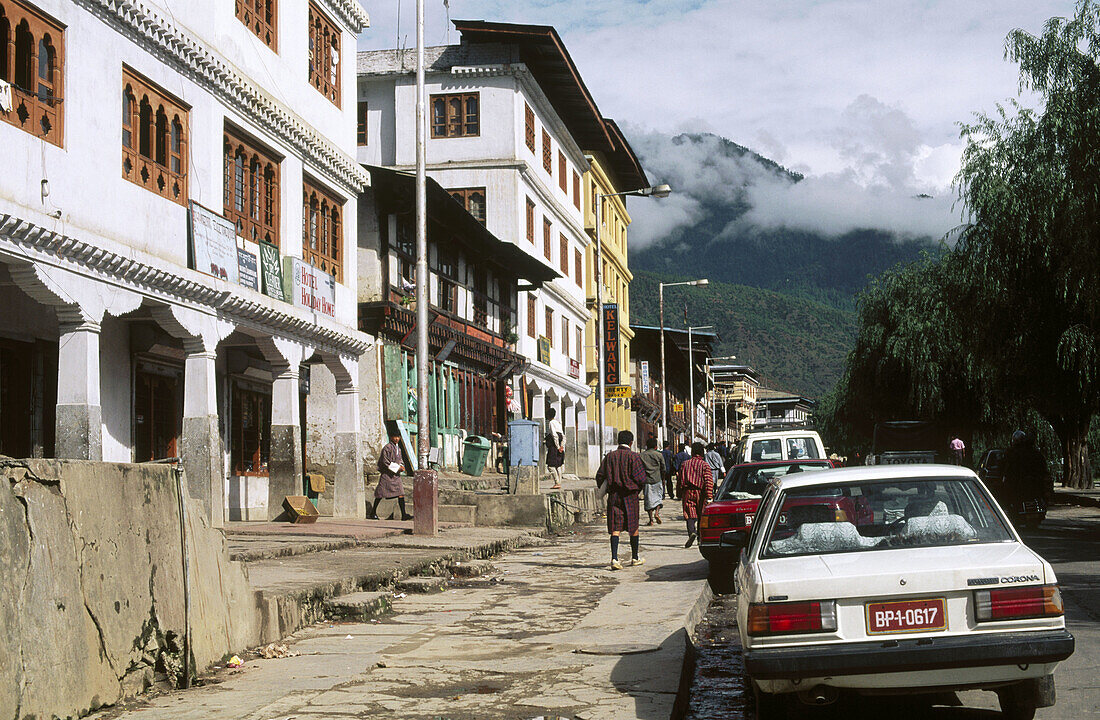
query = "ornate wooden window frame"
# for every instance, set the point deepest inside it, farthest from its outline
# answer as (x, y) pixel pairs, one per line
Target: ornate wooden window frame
(322, 229)
(529, 127)
(155, 136)
(456, 115)
(262, 18)
(473, 199)
(32, 61)
(252, 192)
(325, 55)
(547, 154)
(547, 245)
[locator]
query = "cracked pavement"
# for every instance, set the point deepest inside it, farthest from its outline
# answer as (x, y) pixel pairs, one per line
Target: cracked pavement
(550, 632)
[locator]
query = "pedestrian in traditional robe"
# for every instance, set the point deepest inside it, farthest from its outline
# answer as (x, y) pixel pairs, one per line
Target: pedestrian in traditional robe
(654, 463)
(624, 474)
(696, 484)
(666, 453)
(714, 459)
(390, 466)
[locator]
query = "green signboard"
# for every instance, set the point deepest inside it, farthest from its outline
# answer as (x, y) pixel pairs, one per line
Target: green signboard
(271, 271)
(544, 350)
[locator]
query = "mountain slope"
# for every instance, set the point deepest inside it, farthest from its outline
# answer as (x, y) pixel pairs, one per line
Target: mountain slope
(795, 343)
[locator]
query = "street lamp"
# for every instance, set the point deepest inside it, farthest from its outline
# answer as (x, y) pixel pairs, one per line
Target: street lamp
(691, 373)
(664, 377)
(657, 191)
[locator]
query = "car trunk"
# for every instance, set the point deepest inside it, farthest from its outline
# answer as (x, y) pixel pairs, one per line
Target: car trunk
(880, 573)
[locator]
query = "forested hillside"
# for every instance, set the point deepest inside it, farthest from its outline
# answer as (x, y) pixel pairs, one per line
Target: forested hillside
(797, 344)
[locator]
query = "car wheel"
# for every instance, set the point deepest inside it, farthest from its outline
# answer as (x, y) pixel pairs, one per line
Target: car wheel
(768, 706)
(1019, 701)
(721, 577)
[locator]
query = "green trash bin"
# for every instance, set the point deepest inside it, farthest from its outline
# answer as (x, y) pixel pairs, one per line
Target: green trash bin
(475, 451)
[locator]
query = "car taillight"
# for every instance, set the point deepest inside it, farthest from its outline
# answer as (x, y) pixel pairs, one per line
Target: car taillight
(840, 515)
(716, 521)
(788, 618)
(1017, 603)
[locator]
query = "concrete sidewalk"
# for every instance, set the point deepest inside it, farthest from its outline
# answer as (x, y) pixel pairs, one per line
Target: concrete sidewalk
(551, 631)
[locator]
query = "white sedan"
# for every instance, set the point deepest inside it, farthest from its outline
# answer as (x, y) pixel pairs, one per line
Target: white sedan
(894, 579)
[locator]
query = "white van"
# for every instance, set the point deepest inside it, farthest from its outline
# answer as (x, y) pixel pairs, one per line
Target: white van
(787, 444)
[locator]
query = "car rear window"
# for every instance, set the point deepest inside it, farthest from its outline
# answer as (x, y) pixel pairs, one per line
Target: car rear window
(801, 447)
(883, 514)
(767, 450)
(744, 481)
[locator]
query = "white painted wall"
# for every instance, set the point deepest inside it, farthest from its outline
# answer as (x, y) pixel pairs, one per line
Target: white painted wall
(85, 175)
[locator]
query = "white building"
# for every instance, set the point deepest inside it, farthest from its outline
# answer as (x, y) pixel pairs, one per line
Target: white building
(139, 324)
(508, 118)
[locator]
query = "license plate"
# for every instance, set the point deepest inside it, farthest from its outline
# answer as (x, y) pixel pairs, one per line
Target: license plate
(906, 616)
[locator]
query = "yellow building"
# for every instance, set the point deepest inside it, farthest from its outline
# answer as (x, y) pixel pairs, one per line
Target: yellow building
(606, 220)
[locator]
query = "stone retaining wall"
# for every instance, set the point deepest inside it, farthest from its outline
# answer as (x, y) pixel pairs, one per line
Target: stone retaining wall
(91, 586)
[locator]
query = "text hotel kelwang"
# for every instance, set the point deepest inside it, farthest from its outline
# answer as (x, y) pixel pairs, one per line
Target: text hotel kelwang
(309, 287)
(611, 344)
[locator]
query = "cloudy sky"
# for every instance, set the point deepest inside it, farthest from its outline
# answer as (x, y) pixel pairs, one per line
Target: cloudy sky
(861, 96)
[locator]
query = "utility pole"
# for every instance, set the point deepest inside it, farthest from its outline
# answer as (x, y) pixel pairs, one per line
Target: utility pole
(425, 491)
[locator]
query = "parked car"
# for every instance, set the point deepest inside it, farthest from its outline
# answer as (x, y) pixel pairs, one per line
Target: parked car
(991, 468)
(903, 442)
(797, 442)
(734, 507)
(936, 593)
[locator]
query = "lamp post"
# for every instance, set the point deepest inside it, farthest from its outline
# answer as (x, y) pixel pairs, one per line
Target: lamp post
(664, 377)
(657, 191)
(691, 373)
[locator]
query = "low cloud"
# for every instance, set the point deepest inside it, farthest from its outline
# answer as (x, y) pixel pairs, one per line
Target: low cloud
(886, 178)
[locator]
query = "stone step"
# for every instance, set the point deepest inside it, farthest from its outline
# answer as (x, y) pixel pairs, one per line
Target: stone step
(422, 584)
(471, 568)
(358, 605)
(466, 514)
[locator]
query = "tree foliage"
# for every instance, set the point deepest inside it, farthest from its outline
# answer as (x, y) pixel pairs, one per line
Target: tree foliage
(1030, 181)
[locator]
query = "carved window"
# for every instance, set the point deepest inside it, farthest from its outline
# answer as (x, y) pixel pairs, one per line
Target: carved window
(563, 173)
(261, 17)
(456, 115)
(323, 230)
(473, 199)
(530, 221)
(531, 302)
(529, 127)
(550, 326)
(547, 248)
(578, 272)
(361, 123)
(547, 154)
(251, 197)
(563, 257)
(324, 55)
(576, 190)
(154, 138)
(32, 61)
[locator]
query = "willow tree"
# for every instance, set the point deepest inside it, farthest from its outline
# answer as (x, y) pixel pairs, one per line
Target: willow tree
(1030, 180)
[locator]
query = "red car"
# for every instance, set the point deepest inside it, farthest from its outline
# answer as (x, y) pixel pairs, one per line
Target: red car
(737, 498)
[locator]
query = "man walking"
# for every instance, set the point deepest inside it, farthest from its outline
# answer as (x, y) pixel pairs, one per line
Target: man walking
(958, 447)
(624, 474)
(678, 460)
(714, 459)
(555, 448)
(654, 464)
(666, 453)
(696, 489)
(390, 467)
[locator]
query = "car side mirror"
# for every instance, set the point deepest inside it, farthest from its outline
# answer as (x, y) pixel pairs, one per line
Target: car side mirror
(734, 539)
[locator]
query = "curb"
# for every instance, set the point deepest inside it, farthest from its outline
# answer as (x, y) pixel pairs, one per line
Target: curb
(687, 667)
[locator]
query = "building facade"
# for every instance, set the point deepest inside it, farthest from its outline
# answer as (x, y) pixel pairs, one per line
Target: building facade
(472, 289)
(176, 230)
(775, 407)
(508, 117)
(735, 388)
(606, 219)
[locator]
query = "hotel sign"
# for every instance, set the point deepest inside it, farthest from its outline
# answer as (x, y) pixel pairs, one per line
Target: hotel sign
(544, 350)
(610, 320)
(574, 368)
(310, 287)
(644, 365)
